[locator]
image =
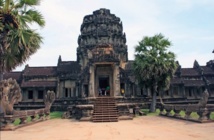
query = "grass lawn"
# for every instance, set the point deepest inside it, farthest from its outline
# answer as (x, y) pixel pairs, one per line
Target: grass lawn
(56, 114)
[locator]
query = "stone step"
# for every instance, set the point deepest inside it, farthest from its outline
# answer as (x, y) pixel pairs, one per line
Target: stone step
(104, 103)
(104, 117)
(104, 107)
(110, 120)
(100, 112)
(105, 110)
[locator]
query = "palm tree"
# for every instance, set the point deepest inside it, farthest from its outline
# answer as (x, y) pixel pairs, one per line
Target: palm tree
(17, 40)
(154, 65)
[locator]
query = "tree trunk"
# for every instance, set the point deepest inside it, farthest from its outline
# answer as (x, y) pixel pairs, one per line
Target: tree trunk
(2, 52)
(153, 103)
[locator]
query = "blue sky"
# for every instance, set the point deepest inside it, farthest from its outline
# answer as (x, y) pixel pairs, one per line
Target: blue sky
(188, 24)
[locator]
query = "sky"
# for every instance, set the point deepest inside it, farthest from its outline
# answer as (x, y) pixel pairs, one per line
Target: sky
(188, 24)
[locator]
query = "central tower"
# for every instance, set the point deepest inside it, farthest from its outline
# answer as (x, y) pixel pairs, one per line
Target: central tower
(101, 53)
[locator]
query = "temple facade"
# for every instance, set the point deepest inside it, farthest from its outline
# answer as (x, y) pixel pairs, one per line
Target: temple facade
(102, 68)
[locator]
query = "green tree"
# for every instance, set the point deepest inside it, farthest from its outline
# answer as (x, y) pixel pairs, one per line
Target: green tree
(17, 40)
(154, 65)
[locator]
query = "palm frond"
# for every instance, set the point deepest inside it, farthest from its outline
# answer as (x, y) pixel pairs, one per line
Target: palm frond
(20, 42)
(30, 2)
(153, 63)
(36, 17)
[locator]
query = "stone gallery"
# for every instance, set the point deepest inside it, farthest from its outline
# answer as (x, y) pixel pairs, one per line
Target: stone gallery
(102, 69)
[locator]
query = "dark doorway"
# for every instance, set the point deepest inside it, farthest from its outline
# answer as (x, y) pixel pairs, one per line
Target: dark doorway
(86, 90)
(122, 89)
(104, 85)
(40, 94)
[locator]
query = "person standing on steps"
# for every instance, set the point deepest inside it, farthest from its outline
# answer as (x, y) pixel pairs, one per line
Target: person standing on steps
(122, 91)
(107, 91)
(100, 91)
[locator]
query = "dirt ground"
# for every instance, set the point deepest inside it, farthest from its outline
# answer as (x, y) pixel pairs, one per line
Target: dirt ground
(141, 128)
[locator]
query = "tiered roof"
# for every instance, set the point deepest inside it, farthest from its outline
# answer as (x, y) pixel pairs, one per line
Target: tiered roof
(189, 72)
(68, 67)
(14, 75)
(193, 83)
(207, 70)
(38, 84)
(40, 71)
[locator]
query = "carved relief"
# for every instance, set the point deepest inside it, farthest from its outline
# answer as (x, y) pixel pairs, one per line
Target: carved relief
(102, 29)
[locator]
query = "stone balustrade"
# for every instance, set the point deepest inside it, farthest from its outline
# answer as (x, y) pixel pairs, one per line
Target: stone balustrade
(202, 112)
(202, 109)
(7, 121)
(10, 93)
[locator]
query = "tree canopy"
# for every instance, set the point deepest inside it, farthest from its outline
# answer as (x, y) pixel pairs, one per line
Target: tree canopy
(154, 65)
(17, 40)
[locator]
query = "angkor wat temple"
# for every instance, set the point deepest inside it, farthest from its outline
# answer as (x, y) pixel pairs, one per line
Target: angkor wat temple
(102, 61)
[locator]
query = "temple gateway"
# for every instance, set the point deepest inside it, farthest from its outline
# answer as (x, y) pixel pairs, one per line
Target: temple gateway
(102, 69)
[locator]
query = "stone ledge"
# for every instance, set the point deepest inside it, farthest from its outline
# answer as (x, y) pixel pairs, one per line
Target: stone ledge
(12, 128)
(188, 119)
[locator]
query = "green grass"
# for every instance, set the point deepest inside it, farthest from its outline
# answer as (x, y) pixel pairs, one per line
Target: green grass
(56, 114)
(212, 115)
(146, 111)
(17, 121)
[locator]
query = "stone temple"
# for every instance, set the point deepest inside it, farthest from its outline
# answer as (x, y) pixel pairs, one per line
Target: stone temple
(102, 62)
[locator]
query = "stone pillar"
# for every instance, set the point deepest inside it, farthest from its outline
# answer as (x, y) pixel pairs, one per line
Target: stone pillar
(116, 80)
(69, 92)
(126, 89)
(91, 82)
(171, 91)
(63, 91)
(34, 95)
(183, 91)
(58, 88)
(194, 93)
(76, 90)
(80, 90)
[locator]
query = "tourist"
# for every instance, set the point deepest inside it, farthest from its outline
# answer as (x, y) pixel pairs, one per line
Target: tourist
(107, 90)
(122, 91)
(100, 91)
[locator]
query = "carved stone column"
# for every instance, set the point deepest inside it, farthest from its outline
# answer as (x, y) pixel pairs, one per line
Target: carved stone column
(177, 111)
(23, 120)
(116, 80)
(187, 114)
(91, 82)
(183, 91)
(203, 114)
(34, 118)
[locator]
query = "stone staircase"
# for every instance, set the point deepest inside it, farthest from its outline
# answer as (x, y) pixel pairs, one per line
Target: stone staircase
(105, 110)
